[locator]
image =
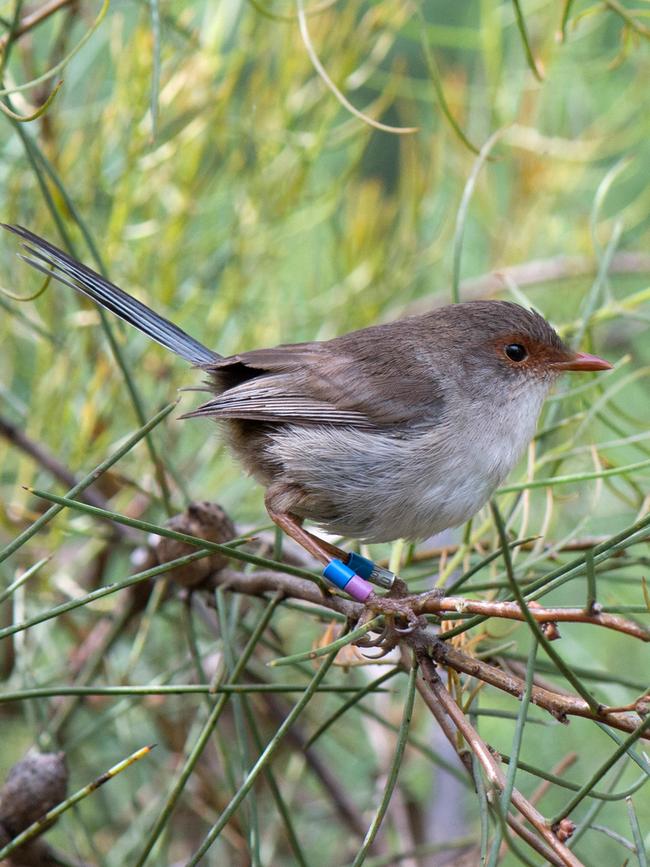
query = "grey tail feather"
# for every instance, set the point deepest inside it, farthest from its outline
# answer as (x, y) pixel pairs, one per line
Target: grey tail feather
(54, 262)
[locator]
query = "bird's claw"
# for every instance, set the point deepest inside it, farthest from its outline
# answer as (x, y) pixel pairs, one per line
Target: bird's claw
(373, 642)
(400, 618)
(406, 630)
(395, 609)
(400, 611)
(389, 644)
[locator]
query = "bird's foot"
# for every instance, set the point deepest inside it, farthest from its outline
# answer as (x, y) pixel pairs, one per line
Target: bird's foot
(398, 608)
(401, 612)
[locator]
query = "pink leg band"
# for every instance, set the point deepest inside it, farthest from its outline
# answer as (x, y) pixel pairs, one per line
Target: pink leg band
(358, 589)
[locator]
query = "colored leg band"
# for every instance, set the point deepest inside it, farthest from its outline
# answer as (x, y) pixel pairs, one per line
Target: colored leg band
(361, 565)
(338, 573)
(370, 572)
(359, 589)
(345, 578)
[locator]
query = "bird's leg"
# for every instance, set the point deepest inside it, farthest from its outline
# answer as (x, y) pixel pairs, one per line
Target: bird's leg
(335, 553)
(335, 570)
(292, 526)
(363, 567)
(280, 501)
(397, 607)
(278, 505)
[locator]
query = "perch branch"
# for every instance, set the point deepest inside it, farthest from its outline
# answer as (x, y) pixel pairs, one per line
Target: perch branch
(561, 706)
(512, 611)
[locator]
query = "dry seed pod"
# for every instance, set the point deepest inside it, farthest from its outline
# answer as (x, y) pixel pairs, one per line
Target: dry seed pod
(34, 785)
(207, 521)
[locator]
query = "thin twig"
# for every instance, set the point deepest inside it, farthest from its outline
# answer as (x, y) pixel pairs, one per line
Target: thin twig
(491, 766)
(32, 19)
(13, 434)
(539, 271)
(512, 611)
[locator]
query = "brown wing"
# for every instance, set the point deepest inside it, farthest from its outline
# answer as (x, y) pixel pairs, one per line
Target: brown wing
(275, 398)
(368, 379)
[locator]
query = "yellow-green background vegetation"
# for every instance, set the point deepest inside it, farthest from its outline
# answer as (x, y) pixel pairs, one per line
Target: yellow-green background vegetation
(194, 153)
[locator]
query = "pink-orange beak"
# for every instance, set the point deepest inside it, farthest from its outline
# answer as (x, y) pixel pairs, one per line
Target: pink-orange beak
(583, 361)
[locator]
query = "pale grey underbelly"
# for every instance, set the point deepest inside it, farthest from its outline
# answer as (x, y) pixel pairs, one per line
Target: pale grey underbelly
(377, 488)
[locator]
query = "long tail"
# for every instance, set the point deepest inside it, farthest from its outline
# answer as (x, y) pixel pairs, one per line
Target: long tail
(52, 261)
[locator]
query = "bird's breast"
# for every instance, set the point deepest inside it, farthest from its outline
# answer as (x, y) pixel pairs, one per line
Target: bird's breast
(377, 487)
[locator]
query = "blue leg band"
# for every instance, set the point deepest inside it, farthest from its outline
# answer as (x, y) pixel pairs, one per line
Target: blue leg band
(367, 570)
(361, 565)
(338, 573)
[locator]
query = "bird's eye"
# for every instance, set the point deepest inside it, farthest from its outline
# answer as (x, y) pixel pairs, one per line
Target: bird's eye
(515, 352)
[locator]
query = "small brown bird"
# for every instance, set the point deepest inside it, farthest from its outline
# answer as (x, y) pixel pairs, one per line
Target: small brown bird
(394, 431)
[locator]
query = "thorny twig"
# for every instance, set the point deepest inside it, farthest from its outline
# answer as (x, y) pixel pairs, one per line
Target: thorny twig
(512, 611)
(491, 766)
(560, 705)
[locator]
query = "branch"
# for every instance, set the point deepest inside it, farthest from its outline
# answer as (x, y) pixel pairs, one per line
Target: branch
(540, 271)
(491, 766)
(33, 18)
(264, 581)
(559, 705)
(512, 611)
